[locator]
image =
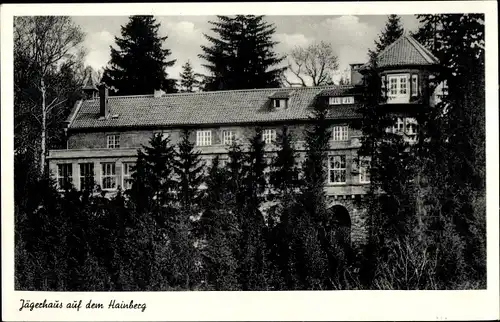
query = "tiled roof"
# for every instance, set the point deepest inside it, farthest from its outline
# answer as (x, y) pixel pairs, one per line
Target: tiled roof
(282, 93)
(405, 51)
(338, 91)
(218, 107)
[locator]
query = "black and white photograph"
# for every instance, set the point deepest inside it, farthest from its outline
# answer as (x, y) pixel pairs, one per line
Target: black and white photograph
(249, 152)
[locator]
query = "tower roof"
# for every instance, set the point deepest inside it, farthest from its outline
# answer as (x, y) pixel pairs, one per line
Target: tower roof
(90, 82)
(405, 51)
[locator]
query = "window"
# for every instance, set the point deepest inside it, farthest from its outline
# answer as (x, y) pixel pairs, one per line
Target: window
(403, 89)
(108, 176)
(398, 86)
(336, 169)
(411, 126)
(393, 86)
(398, 127)
(338, 100)
(414, 85)
(113, 141)
(364, 173)
(340, 133)
(64, 175)
(279, 103)
(204, 138)
(228, 137)
(86, 176)
(411, 129)
(269, 136)
(128, 169)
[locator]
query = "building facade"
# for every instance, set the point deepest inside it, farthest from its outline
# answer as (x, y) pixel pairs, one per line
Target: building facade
(104, 133)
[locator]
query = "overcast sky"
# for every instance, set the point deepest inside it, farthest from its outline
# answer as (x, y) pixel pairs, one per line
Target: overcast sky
(351, 36)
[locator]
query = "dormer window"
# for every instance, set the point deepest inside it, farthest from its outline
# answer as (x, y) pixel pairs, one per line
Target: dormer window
(279, 103)
(279, 99)
(341, 100)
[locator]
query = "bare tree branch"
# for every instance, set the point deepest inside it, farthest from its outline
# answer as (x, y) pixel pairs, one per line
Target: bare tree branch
(314, 64)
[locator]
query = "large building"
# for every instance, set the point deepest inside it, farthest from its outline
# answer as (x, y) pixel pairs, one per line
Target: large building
(104, 133)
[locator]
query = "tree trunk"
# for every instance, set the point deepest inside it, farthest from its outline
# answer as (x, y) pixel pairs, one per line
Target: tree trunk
(44, 129)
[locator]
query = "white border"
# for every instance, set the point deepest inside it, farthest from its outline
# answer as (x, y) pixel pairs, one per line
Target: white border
(224, 306)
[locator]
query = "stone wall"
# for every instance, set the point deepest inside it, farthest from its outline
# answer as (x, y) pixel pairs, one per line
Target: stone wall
(357, 213)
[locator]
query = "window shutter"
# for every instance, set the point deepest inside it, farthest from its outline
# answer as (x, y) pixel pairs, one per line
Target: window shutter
(383, 87)
(414, 85)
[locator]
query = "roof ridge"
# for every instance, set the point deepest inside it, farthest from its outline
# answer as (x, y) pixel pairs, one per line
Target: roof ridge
(423, 51)
(230, 91)
(132, 96)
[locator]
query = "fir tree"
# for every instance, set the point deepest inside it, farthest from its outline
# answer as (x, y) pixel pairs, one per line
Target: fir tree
(189, 82)
(152, 180)
(311, 252)
(139, 64)
(253, 260)
(188, 168)
(417, 204)
(284, 181)
(220, 230)
(392, 31)
(284, 174)
(158, 223)
(241, 54)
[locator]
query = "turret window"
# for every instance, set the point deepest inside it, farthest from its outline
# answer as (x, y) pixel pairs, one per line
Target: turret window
(399, 88)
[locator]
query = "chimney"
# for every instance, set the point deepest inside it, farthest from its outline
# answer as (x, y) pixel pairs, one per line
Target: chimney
(356, 76)
(103, 100)
(158, 93)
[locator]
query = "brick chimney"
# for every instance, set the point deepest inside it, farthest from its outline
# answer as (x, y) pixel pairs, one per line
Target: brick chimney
(103, 101)
(356, 76)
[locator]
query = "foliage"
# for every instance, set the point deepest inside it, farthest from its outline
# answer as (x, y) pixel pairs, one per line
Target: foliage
(244, 230)
(424, 203)
(48, 61)
(139, 45)
(392, 31)
(189, 79)
(240, 55)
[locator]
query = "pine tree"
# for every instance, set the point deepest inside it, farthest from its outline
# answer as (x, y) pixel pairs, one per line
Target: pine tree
(189, 82)
(241, 54)
(312, 252)
(460, 47)
(284, 181)
(220, 230)
(392, 31)
(421, 194)
(152, 205)
(189, 169)
(139, 64)
(152, 180)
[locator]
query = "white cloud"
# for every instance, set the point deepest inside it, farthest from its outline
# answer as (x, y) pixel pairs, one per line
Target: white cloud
(289, 41)
(184, 40)
(98, 52)
(350, 37)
